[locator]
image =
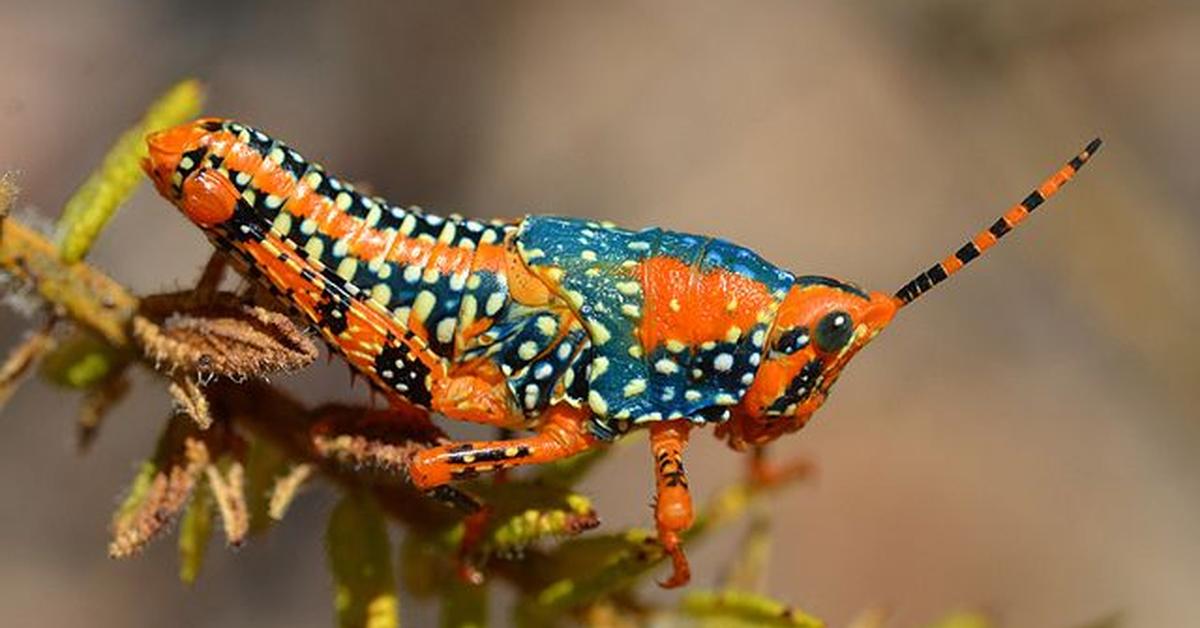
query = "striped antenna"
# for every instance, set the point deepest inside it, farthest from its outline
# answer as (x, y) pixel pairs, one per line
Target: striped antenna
(985, 239)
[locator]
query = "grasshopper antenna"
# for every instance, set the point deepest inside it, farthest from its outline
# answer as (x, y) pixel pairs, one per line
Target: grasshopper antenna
(987, 238)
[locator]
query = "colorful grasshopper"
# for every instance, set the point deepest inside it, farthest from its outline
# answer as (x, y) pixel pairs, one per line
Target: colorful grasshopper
(574, 329)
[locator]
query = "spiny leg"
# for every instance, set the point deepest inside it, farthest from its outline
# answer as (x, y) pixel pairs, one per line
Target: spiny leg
(561, 434)
(673, 505)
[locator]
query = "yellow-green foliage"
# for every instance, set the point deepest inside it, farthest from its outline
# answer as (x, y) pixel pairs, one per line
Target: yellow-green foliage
(360, 559)
(736, 609)
(81, 361)
(194, 533)
(94, 203)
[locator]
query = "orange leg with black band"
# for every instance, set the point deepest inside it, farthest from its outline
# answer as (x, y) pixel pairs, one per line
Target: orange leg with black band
(673, 505)
(562, 433)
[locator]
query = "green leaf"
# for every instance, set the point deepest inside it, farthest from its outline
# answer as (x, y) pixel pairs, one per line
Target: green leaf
(360, 561)
(97, 199)
(194, 533)
(265, 463)
(82, 361)
(735, 608)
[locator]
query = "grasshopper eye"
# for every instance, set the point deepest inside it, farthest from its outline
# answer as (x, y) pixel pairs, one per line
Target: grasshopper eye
(791, 341)
(834, 331)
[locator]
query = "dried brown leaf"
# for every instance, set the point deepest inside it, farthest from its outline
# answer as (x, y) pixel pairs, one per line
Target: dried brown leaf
(229, 490)
(220, 337)
(24, 355)
(285, 489)
(155, 499)
(190, 400)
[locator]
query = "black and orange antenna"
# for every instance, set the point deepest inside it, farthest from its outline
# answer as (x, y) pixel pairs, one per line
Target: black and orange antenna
(987, 238)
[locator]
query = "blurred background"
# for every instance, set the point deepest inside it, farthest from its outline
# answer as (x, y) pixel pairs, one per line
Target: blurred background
(1022, 439)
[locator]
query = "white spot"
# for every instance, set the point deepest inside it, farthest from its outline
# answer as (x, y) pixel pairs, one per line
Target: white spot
(273, 202)
(412, 274)
(755, 359)
(187, 163)
(587, 255)
(564, 350)
(724, 399)
(341, 247)
(342, 201)
(668, 393)
(531, 396)
(691, 395)
(758, 337)
(458, 281)
(448, 233)
(243, 178)
(748, 379)
(638, 245)
(308, 226)
(408, 224)
(528, 350)
(635, 387)
(666, 366)
(543, 371)
(723, 362)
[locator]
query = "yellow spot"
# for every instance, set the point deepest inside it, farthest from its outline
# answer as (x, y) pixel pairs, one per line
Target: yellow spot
(445, 330)
(733, 334)
(674, 305)
(308, 226)
(347, 268)
(276, 155)
(732, 306)
(635, 351)
(312, 180)
(575, 298)
(282, 224)
(473, 282)
(589, 256)
(494, 303)
(599, 366)
(554, 273)
(373, 216)
(511, 452)
(724, 399)
(666, 367)
(423, 305)
(432, 275)
(469, 306)
(407, 226)
(273, 202)
(675, 346)
(547, 325)
(448, 233)
(599, 406)
(249, 196)
(635, 387)
(631, 310)
(343, 201)
(600, 333)
(528, 350)
(469, 458)
(629, 287)
(314, 246)
(381, 294)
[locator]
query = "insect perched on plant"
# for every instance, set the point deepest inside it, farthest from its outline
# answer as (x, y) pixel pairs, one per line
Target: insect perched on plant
(574, 329)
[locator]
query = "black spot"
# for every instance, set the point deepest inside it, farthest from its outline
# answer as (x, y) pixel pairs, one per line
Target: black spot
(967, 253)
(403, 373)
(1032, 201)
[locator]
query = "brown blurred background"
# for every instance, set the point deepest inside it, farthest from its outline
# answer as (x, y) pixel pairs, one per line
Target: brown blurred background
(1022, 440)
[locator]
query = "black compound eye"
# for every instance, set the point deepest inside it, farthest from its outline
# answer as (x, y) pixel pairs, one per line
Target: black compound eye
(792, 340)
(834, 331)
